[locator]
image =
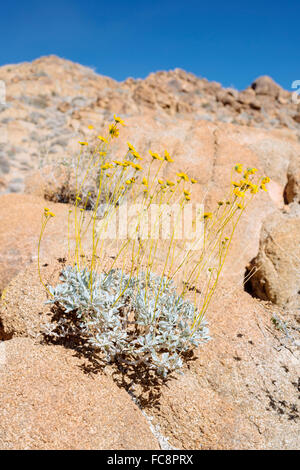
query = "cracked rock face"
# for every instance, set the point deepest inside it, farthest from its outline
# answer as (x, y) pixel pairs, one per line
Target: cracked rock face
(278, 260)
(292, 189)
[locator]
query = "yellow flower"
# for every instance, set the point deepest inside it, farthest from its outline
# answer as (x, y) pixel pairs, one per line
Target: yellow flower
(235, 184)
(240, 206)
(263, 187)
(245, 182)
(128, 163)
(161, 182)
(128, 182)
(48, 213)
(103, 139)
(119, 120)
(130, 147)
(170, 183)
(106, 166)
(238, 168)
(193, 181)
(155, 156)
(118, 163)
(168, 157)
(186, 193)
(220, 203)
(226, 238)
(238, 193)
(136, 166)
(83, 143)
(254, 189)
(113, 130)
(183, 176)
(90, 127)
(144, 181)
(207, 215)
(265, 180)
(137, 155)
(187, 197)
(251, 171)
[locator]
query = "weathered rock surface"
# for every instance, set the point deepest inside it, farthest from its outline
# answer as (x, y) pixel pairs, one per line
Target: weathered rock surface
(21, 220)
(48, 401)
(241, 391)
(292, 189)
(266, 86)
(278, 260)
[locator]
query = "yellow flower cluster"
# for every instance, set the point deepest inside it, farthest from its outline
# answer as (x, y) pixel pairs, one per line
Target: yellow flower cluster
(245, 184)
(48, 213)
(155, 156)
(113, 131)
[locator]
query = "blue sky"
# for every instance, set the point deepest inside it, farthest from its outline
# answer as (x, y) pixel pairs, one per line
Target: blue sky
(231, 41)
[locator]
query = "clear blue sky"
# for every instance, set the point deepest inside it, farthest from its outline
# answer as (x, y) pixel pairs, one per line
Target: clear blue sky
(231, 41)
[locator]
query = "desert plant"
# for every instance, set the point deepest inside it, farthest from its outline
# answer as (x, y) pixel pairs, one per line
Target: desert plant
(130, 312)
(129, 328)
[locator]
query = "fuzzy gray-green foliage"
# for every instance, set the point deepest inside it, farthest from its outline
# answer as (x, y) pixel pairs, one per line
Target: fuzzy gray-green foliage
(131, 320)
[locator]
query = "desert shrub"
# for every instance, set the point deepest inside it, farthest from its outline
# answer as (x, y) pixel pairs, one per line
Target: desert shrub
(153, 308)
(124, 323)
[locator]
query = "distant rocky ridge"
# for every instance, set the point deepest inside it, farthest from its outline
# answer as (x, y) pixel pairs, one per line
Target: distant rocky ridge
(50, 101)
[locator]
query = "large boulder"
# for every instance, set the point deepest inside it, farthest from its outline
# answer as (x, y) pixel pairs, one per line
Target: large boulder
(277, 264)
(265, 85)
(292, 189)
(50, 402)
